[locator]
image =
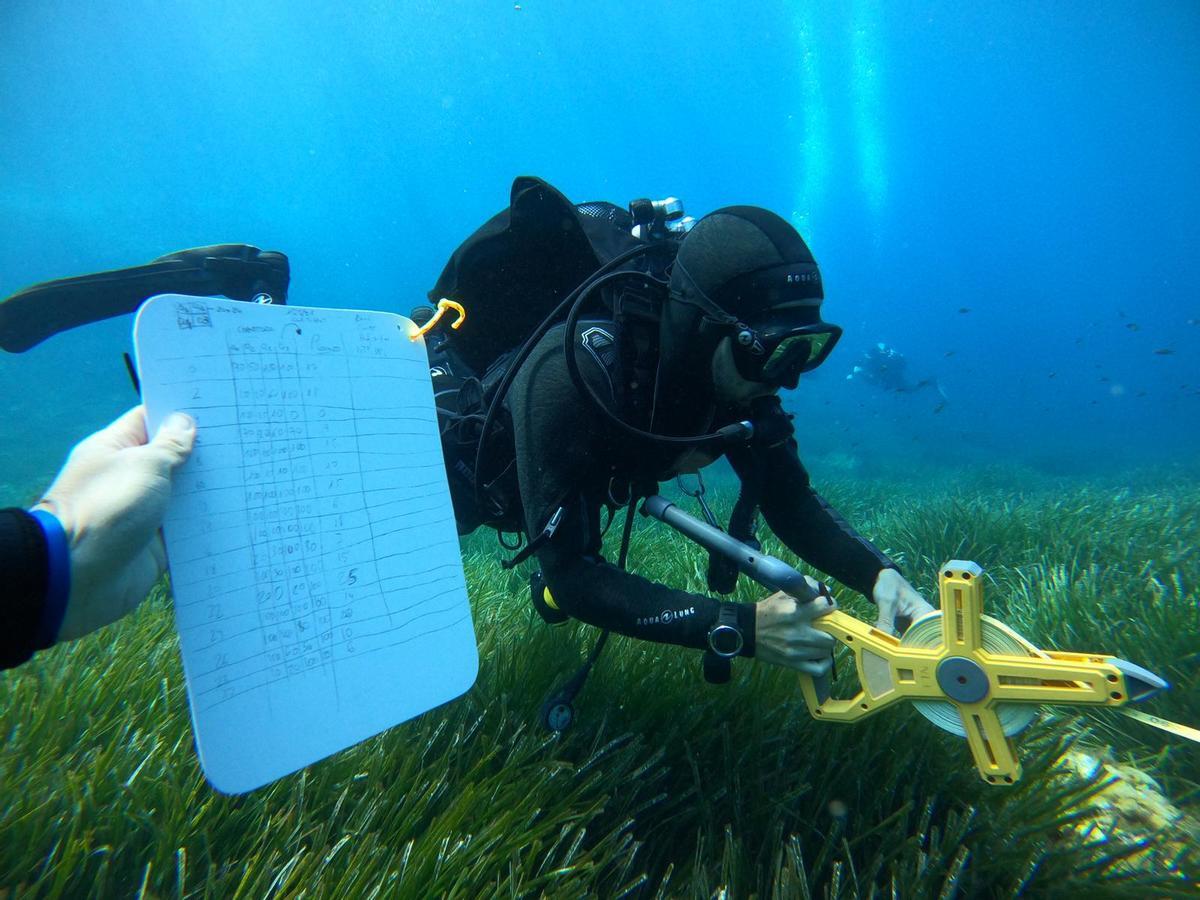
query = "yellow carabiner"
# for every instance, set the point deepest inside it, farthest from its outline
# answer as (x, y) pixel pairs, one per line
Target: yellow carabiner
(442, 306)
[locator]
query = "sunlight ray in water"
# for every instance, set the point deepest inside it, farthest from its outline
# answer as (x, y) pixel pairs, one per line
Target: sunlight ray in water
(867, 108)
(812, 153)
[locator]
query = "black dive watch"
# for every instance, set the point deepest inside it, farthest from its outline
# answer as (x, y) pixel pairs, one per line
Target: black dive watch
(725, 637)
(725, 641)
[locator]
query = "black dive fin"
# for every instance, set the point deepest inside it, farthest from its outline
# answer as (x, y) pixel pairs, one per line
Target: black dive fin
(237, 271)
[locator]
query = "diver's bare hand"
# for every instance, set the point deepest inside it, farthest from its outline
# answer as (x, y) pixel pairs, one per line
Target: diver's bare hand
(110, 498)
(898, 601)
(784, 636)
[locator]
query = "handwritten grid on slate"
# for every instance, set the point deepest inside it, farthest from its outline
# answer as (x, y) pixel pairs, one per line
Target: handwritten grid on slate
(319, 590)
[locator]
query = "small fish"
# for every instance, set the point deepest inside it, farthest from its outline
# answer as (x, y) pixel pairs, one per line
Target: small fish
(937, 409)
(1132, 326)
(1141, 393)
(1052, 374)
(949, 353)
(964, 309)
(1164, 351)
(1121, 313)
(1193, 321)
(1104, 379)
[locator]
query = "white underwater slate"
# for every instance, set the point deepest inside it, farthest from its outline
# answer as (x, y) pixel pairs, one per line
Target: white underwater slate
(319, 590)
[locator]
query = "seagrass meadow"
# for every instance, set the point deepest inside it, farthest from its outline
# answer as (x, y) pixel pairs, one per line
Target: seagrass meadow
(665, 786)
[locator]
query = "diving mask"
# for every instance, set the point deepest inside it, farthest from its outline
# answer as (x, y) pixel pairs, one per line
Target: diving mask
(780, 356)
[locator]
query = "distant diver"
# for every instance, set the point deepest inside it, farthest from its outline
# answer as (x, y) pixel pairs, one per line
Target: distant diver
(885, 367)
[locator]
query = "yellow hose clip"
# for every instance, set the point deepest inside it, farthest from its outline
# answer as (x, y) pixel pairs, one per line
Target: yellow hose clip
(443, 305)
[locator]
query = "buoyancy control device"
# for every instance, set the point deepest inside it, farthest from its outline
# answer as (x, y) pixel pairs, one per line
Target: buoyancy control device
(517, 276)
(533, 265)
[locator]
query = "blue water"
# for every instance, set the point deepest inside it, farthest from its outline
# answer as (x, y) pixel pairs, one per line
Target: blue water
(1000, 193)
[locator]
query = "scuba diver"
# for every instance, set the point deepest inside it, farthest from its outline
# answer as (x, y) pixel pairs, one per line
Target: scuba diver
(604, 350)
(885, 367)
(659, 369)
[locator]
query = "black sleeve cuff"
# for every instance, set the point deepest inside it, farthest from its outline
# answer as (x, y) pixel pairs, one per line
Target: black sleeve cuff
(24, 570)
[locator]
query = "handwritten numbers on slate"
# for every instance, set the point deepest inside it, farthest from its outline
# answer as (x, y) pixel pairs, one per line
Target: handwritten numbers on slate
(314, 558)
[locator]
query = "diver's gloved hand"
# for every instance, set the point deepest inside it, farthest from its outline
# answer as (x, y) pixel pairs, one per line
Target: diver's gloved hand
(898, 601)
(784, 636)
(110, 498)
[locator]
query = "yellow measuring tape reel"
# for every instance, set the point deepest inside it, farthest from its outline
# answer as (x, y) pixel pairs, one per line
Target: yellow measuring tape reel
(965, 672)
(971, 675)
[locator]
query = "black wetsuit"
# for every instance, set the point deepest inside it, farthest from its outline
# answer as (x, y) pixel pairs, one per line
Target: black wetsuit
(24, 574)
(566, 453)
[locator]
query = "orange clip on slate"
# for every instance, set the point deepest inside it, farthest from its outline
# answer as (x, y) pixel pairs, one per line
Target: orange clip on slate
(442, 306)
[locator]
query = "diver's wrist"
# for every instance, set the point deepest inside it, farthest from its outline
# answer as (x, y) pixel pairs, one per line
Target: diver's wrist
(886, 574)
(58, 577)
